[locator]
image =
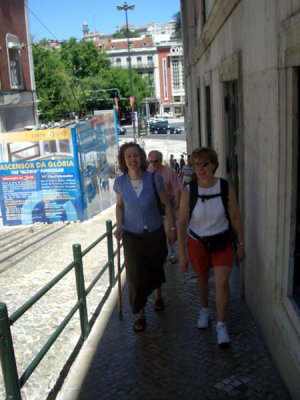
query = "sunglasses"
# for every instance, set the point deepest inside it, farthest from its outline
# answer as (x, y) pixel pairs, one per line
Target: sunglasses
(153, 161)
(202, 164)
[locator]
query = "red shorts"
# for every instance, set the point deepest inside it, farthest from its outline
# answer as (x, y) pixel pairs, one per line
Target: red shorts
(201, 261)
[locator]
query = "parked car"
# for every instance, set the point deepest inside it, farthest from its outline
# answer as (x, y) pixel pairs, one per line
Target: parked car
(121, 130)
(163, 127)
(174, 129)
(160, 126)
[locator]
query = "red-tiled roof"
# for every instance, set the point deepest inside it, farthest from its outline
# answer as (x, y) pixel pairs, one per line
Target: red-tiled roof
(135, 43)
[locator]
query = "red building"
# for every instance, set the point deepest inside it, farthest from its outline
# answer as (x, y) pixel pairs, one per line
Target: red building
(171, 78)
(17, 86)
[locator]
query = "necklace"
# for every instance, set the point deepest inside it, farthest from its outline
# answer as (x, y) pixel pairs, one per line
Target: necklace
(136, 183)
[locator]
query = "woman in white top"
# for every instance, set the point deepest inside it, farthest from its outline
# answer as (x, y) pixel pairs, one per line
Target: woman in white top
(210, 223)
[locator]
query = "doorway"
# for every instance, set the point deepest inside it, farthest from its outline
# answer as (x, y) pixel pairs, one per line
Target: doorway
(296, 280)
(231, 107)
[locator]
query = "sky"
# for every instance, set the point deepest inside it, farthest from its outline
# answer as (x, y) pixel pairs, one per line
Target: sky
(62, 19)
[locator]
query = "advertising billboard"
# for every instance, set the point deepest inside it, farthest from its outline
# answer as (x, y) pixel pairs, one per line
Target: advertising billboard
(60, 174)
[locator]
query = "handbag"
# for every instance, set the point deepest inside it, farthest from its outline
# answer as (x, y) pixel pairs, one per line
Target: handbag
(160, 206)
(215, 242)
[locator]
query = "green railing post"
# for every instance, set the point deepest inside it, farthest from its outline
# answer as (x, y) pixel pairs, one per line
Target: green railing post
(8, 360)
(110, 253)
(85, 329)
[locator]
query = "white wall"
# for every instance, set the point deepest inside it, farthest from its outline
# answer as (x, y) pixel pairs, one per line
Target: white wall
(257, 33)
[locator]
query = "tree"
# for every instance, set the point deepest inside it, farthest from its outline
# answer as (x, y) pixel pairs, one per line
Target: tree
(177, 18)
(122, 33)
(79, 78)
(52, 82)
(83, 58)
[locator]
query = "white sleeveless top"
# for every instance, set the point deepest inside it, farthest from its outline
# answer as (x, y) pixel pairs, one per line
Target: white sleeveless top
(208, 217)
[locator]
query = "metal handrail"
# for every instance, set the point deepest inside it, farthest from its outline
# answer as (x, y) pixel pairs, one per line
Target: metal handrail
(12, 382)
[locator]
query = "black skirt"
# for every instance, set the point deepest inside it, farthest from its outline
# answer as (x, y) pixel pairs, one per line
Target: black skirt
(144, 254)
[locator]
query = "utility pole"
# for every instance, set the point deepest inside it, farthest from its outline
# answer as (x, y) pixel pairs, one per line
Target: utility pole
(127, 7)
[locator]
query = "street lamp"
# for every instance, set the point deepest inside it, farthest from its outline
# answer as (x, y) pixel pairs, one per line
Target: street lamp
(127, 7)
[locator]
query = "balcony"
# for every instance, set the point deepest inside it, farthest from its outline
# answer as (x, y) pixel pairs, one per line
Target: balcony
(137, 65)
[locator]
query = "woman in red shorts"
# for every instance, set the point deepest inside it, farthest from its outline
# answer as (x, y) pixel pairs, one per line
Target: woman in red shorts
(206, 229)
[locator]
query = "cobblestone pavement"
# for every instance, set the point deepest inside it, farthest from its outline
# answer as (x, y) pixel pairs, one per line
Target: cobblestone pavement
(25, 278)
(172, 359)
(31, 331)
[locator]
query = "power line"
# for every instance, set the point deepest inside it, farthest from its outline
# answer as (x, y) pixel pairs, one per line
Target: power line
(42, 23)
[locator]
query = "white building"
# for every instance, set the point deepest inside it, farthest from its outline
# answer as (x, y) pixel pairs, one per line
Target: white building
(143, 54)
(147, 51)
(242, 72)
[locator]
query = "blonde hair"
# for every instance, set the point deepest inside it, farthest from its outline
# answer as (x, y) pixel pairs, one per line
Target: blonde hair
(205, 152)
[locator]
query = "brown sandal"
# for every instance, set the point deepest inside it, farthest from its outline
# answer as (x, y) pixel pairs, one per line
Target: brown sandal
(139, 325)
(159, 304)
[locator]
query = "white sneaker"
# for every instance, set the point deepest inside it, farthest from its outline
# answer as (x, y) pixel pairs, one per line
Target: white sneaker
(203, 319)
(223, 337)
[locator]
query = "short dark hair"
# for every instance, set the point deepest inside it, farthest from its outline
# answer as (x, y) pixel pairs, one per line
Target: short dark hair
(121, 157)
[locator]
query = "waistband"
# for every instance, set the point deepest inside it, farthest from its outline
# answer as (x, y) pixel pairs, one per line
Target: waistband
(145, 231)
(197, 237)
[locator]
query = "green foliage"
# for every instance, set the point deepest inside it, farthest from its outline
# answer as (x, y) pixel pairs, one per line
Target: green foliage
(52, 82)
(122, 33)
(177, 18)
(82, 58)
(79, 78)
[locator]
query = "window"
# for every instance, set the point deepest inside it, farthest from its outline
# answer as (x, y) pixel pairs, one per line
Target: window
(23, 151)
(165, 83)
(150, 59)
(208, 115)
(139, 60)
(203, 12)
(199, 115)
(118, 61)
(177, 73)
(296, 280)
(14, 61)
(57, 146)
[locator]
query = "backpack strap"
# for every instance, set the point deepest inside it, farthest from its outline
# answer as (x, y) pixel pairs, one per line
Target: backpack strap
(193, 195)
(224, 195)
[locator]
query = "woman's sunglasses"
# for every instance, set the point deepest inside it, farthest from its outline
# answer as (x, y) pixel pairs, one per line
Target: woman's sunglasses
(202, 164)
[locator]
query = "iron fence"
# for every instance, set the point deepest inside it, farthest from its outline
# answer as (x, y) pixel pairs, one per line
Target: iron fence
(12, 381)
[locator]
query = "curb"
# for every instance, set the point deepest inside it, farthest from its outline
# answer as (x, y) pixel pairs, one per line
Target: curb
(71, 387)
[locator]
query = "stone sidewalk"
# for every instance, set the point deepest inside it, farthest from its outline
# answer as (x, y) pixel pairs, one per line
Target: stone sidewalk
(172, 359)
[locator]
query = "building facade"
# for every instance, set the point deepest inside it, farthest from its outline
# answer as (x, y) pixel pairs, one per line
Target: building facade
(143, 56)
(171, 78)
(242, 75)
(17, 85)
(157, 58)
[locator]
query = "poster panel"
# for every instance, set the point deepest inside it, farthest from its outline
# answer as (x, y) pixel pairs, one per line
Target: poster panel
(97, 154)
(39, 179)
